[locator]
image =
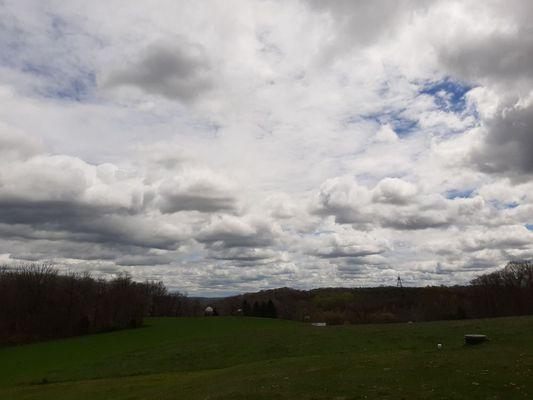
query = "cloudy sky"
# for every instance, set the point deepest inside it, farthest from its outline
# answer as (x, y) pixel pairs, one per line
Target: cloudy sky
(232, 146)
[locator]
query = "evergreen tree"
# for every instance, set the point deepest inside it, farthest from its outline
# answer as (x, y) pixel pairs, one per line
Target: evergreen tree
(270, 310)
(246, 309)
(256, 309)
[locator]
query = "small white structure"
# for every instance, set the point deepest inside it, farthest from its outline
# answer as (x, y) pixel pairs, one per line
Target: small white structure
(439, 346)
(208, 311)
(318, 324)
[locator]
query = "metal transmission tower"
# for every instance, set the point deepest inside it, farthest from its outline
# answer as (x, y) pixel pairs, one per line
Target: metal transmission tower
(399, 282)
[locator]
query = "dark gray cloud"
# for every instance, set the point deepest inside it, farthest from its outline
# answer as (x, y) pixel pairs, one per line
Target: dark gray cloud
(74, 247)
(147, 258)
(499, 57)
(243, 254)
(191, 202)
(82, 222)
(207, 193)
(227, 232)
(501, 60)
(178, 71)
(508, 145)
(340, 252)
(417, 220)
(352, 270)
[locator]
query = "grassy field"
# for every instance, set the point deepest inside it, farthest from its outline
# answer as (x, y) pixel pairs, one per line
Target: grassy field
(248, 358)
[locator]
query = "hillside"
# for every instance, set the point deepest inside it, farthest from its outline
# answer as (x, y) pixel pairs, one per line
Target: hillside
(242, 358)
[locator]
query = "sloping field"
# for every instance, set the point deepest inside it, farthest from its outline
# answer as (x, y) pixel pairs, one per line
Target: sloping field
(248, 358)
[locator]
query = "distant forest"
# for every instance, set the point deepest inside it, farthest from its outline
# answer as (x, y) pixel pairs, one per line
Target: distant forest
(39, 303)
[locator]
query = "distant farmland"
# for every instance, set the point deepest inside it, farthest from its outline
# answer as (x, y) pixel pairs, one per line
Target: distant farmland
(257, 358)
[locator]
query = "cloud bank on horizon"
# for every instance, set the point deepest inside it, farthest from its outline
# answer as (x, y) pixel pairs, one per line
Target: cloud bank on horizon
(231, 146)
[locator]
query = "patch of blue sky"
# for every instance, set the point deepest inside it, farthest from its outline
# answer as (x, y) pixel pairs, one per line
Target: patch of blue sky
(448, 94)
(57, 73)
(459, 193)
(37, 69)
(529, 227)
(59, 26)
(59, 84)
(402, 126)
(192, 256)
(503, 206)
(11, 40)
(8, 53)
(384, 88)
(513, 204)
(321, 232)
(208, 128)
(77, 88)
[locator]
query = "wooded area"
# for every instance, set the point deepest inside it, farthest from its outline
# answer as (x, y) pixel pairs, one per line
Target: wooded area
(503, 293)
(39, 303)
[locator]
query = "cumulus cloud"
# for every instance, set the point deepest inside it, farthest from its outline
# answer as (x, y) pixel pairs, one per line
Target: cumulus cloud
(202, 191)
(498, 58)
(397, 204)
(346, 244)
(64, 198)
(229, 231)
(344, 198)
(394, 191)
(386, 134)
(295, 143)
(509, 238)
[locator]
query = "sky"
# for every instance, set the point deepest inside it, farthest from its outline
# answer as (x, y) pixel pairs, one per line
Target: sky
(232, 146)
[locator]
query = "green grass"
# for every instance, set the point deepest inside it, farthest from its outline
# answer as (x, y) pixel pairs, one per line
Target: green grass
(248, 358)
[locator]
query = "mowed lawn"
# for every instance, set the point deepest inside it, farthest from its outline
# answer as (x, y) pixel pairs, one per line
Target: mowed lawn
(251, 358)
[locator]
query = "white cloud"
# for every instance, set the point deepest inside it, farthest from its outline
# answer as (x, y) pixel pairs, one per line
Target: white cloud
(386, 134)
(228, 146)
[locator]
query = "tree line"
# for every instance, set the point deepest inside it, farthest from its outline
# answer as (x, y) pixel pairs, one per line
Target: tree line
(502, 293)
(39, 303)
(261, 309)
